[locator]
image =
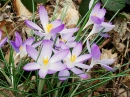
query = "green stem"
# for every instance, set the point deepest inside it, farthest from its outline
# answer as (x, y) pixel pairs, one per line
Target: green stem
(40, 86)
(56, 93)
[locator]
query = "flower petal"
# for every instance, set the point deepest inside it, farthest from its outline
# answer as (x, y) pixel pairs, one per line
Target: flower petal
(42, 73)
(29, 41)
(83, 58)
(41, 34)
(96, 19)
(58, 66)
(18, 39)
(105, 61)
(46, 49)
(68, 31)
(95, 51)
(77, 49)
(43, 17)
(57, 29)
(63, 75)
(96, 9)
(79, 72)
(37, 44)
(14, 46)
(32, 52)
(3, 41)
(59, 56)
(32, 66)
(107, 67)
(51, 72)
(101, 13)
(56, 23)
(63, 45)
(32, 25)
(107, 26)
(84, 66)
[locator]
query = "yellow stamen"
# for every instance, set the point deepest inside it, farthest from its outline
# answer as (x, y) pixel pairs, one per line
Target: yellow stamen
(45, 61)
(73, 58)
(20, 48)
(95, 15)
(49, 27)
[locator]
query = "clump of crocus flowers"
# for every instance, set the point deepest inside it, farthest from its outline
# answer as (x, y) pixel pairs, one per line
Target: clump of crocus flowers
(58, 51)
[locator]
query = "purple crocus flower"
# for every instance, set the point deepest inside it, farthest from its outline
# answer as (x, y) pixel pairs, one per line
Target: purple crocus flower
(46, 63)
(98, 27)
(74, 60)
(96, 16)
(3, 41)
(95, 52)
(20, 46)
(50, 29)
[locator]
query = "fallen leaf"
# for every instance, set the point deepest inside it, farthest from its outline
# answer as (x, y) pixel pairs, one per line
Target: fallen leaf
(21, 10)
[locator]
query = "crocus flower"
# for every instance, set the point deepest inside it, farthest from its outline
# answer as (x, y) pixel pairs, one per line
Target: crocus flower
(96, 16)
(50, 29)
(98, 27)
(45, 63)
(95, 52)
(20, 46)
(74, 60)
(3, 41)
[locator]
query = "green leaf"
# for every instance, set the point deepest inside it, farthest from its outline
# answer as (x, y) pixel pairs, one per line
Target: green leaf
(29, 5)
(127, 1)
(83, 8)
(40, 1)
(114, 5)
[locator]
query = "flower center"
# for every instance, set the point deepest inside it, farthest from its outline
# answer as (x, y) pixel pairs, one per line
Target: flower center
(95, 15)
(49, 27)
(21, 48)
(73, 58)
(63, 40)
(45, 61)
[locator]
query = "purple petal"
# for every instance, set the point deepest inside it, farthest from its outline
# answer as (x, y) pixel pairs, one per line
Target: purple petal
(63, 45)
(51, 72)
(79, 72)
(14, 46)
(105, 35)
(84, 66)
(56, 23)
(63, 75)
(18, 39)
(41, 34)
(43, 17)
(29, 41)
(57, 29)
(101, 13)
(106, 61)
(107, 26)
(96, 9)
(58, 66)
(42, 73)
(32, 66)
(37, 44)
(95, 51)
(107, 67)
(96, 19)
(59, 56)
(33, 25)
(3, 41)
(68, 31)
(32, 52)
(83, 58)
(71, 44)
(77, 49)
(46, 49)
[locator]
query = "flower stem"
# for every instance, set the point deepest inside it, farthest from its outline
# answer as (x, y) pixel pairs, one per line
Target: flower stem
(40, 86)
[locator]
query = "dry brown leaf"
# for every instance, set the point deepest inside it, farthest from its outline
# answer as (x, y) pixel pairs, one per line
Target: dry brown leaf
(107, 54)
(21, 10)
(126, 81)
(72, 15)
(123, 93)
